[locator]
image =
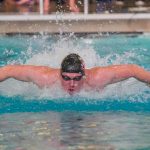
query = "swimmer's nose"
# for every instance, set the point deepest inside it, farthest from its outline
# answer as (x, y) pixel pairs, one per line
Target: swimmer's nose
(71, 82)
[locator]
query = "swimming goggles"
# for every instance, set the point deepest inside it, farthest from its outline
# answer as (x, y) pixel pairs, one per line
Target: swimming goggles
(77, 78)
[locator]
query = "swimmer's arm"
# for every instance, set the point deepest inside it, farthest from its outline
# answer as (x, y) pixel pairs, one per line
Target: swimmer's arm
(24, 73)
(123, 72)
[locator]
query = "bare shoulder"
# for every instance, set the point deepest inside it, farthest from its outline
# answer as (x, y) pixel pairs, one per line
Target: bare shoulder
(95, 71)
(43, 75)
(38, 73)
(46, 71)
(113, 70)
(102, 76)
(99, 76)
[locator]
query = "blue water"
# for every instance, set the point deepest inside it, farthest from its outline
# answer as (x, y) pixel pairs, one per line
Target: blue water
(116, 118)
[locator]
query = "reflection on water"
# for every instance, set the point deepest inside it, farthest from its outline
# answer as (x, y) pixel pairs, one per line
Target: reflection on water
(74, 130)
(82, 131)
(71, 130)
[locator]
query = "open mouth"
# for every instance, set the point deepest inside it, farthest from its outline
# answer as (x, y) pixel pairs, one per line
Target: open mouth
(71, 90)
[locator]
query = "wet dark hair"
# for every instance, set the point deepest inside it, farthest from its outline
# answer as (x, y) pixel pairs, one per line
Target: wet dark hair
(72, 63)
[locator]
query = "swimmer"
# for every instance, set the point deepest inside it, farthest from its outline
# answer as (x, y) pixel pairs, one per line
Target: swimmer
(72, 76)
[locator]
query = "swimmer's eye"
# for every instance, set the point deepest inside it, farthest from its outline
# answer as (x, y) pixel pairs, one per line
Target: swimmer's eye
(66, 78)
(78, 78)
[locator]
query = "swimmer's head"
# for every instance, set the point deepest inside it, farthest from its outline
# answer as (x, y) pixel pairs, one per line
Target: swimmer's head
(73, 63)
(72, 73)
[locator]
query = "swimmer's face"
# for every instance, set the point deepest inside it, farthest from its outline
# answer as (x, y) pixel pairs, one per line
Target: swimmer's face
(71, 82)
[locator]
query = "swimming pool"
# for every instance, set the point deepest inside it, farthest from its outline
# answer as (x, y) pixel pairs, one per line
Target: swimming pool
(116, 118)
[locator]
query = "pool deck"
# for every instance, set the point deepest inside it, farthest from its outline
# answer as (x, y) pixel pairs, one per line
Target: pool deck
(78, 23)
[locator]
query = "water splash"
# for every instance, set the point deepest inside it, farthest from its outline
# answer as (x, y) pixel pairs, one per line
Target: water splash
(50, 50)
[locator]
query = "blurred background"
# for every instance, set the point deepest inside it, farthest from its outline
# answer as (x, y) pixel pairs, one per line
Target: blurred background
(75, 6)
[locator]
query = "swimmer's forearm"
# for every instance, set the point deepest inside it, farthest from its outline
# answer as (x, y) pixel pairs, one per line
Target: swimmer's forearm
(3, 73)
(123, 72)
(141, 74)
(17, 72)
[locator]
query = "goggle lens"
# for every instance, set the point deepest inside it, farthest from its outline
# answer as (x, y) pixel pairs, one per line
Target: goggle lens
(77, 78)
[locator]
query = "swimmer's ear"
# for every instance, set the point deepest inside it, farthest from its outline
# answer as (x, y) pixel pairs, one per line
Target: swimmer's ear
(83, 66)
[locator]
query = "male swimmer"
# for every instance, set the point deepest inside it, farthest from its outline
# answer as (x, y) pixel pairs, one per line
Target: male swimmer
(72, 76)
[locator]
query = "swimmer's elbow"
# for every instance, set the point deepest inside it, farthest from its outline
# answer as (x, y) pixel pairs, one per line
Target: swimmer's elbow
(141, 74)
(136, 70)
(133, 70)
(5, 72)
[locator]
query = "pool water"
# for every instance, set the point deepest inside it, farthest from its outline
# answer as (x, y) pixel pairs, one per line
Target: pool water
(117, 118)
